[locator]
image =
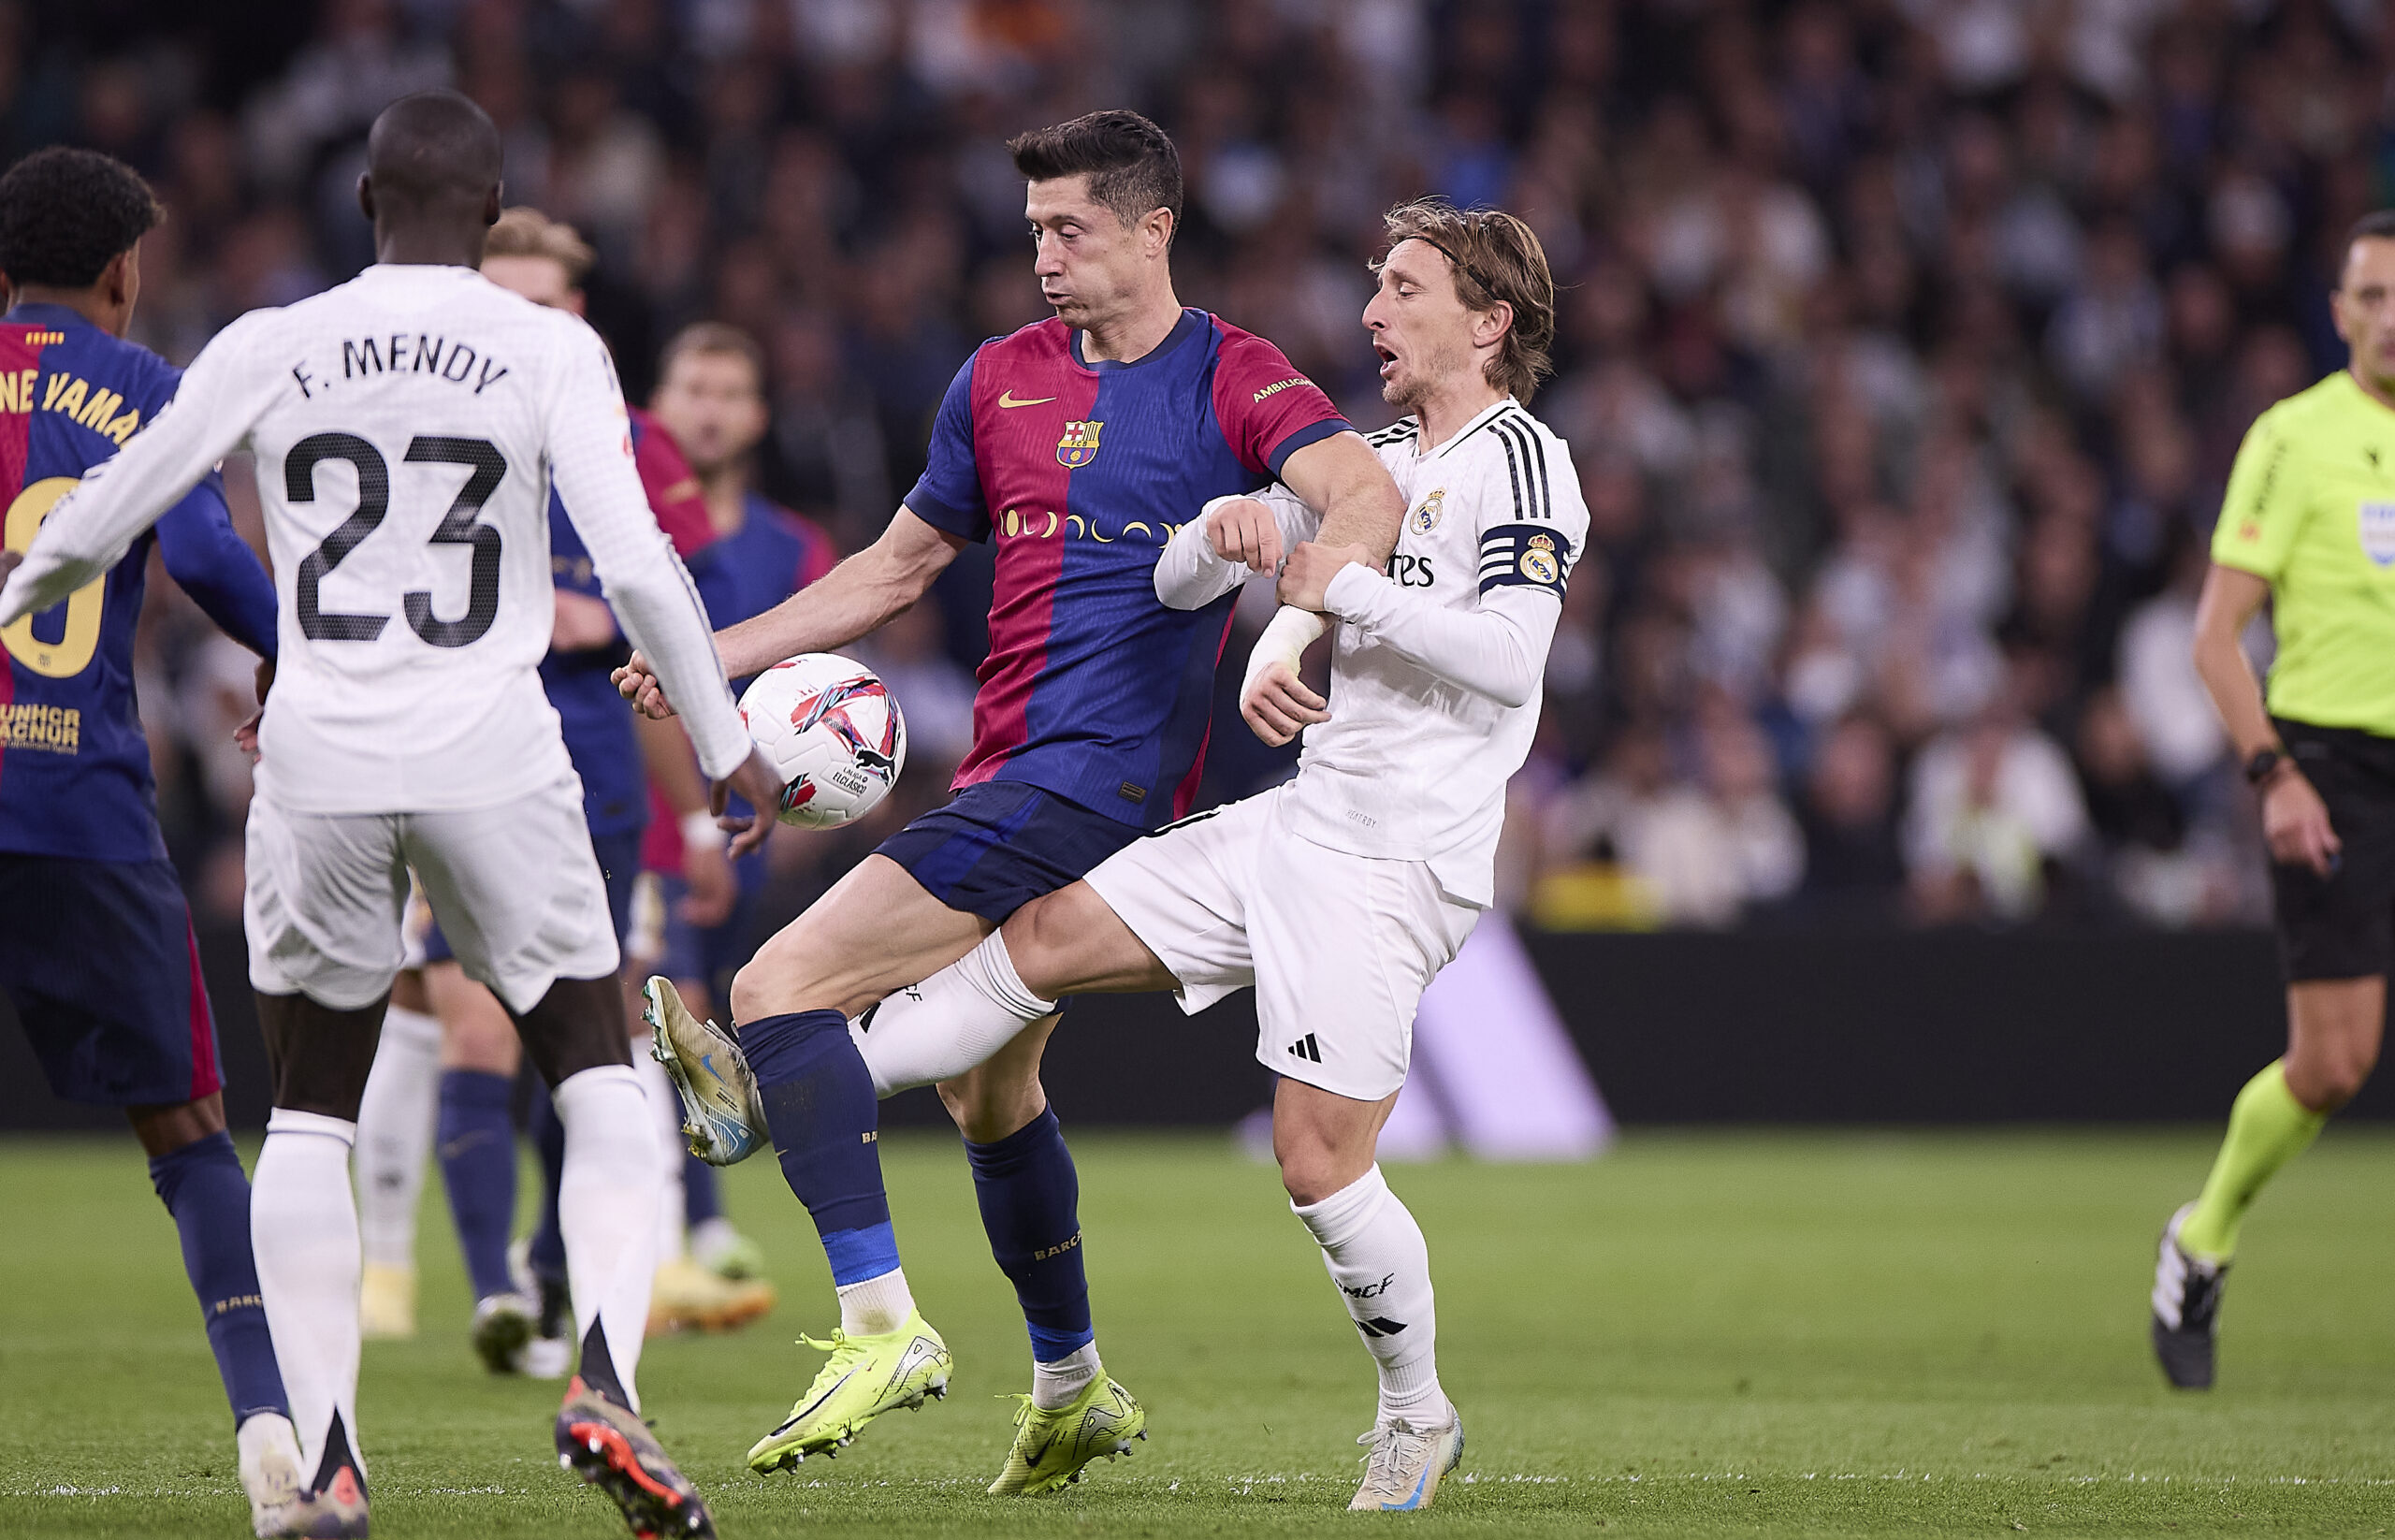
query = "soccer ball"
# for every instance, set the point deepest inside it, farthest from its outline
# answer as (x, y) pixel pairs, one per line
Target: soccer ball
(833, 732)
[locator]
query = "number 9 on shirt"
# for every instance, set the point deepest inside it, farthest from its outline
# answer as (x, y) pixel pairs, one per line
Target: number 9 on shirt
(833, 732)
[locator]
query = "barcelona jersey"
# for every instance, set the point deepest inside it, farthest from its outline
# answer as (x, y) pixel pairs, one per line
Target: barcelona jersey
(75, 774)
(1093, 690)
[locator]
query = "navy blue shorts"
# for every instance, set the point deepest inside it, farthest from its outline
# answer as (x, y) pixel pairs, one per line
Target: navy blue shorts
(998, 846)
(100, 959)
(618, 864)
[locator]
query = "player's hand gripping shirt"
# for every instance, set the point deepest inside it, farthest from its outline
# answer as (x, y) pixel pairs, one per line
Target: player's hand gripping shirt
(407, 426)
(1436, 667)
(2311, 508)
(74, 763)
(1080, 472)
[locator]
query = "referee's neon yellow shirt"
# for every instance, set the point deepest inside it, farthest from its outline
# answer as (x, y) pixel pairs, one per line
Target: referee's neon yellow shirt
(2310, 510)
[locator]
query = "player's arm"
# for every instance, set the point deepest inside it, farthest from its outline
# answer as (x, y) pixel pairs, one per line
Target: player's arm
(591, 453)
(2261, 512)
(2295, 821)
(1497, 648)
(706, 872)
(210, 560)
(1362, 512)
(850, 599)
(90, 529)
(853, 599)
(1231, 538)
(1345, 482)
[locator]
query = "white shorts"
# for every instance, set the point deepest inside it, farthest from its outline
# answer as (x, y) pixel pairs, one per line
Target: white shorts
(515, 887)
(1338, 946)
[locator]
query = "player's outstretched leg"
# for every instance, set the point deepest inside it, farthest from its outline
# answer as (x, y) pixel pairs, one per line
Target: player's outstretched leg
(818, 1106)
(606, 1208)
(2266, 1127)
(199, 1177)
(303, 1227)
(1029, 1194)
(2333, 1031)
(1381, 1267)
(395, 1133)
(477, 1148)
(970, 1029)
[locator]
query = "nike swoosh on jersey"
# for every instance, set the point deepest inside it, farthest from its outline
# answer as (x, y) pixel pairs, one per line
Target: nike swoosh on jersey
(1006, 398)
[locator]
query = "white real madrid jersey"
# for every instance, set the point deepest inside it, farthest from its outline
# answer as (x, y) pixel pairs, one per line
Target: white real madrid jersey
(1414, 761)
(406, 427)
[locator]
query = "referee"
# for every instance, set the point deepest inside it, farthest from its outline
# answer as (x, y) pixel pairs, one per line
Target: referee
(2309, 524)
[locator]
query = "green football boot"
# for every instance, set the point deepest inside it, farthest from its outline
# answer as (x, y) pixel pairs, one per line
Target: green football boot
(1050, 1447)
(864, 1377)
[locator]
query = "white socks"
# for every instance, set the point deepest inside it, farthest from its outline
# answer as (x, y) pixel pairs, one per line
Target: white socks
(395, 1123)
(665, 1107)
(876, 1306)
(949, 1023)
(303, 1229)
(607, 1207)
(1055, 1385)
(1382, 1265)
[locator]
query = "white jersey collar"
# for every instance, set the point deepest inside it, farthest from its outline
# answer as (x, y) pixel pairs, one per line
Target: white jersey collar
(1469, 428)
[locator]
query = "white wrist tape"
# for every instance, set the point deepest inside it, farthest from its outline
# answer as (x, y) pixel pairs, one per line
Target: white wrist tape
(1284, 641)
(700, 832)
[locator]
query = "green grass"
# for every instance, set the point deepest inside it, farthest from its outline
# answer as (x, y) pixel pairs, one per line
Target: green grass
(1815, 1334)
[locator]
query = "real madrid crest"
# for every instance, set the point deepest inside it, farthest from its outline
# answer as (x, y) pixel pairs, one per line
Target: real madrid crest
(1426, 518)
(1079, 446)
(1538, 563)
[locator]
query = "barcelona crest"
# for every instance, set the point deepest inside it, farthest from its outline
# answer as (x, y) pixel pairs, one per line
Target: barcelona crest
(1079, 446)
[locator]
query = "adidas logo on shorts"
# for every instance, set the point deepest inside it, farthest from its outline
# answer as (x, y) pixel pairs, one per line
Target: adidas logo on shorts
(1305, 1048)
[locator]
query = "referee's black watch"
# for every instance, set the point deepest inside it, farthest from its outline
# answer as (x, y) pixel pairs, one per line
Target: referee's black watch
(2264, 764)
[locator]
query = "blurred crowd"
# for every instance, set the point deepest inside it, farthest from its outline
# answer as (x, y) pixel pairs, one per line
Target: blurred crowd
(1904, 348)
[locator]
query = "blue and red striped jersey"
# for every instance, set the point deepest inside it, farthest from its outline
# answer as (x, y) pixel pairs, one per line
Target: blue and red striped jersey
(1093, 690)
(75, 774)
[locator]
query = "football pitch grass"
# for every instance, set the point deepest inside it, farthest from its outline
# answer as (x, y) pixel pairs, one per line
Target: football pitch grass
(1853, 1333)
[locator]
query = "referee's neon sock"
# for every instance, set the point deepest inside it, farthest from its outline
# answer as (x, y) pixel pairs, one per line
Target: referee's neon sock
(2267, 1129)
(477, 1148)
(203, 1187)
(1030, 1198)
(820, 1109)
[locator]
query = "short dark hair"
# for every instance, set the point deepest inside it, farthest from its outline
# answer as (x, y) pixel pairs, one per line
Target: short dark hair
(1131, 164)
(719, 338)
(1493, 257)
(2379, 224)
(65, 214)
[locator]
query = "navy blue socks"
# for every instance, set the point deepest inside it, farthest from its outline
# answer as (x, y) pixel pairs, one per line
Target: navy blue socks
(476, 1143)
(1030, 1198)
(203, 1187)
(702, 1200)
(820, 1108)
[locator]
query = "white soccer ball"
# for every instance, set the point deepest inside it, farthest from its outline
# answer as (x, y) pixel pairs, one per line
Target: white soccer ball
(833, 732)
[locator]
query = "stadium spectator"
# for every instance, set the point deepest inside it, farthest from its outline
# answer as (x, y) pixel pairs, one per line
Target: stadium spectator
(1894, 339)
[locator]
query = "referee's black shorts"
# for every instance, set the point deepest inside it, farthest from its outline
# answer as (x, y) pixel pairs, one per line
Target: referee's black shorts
(2342, 925)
